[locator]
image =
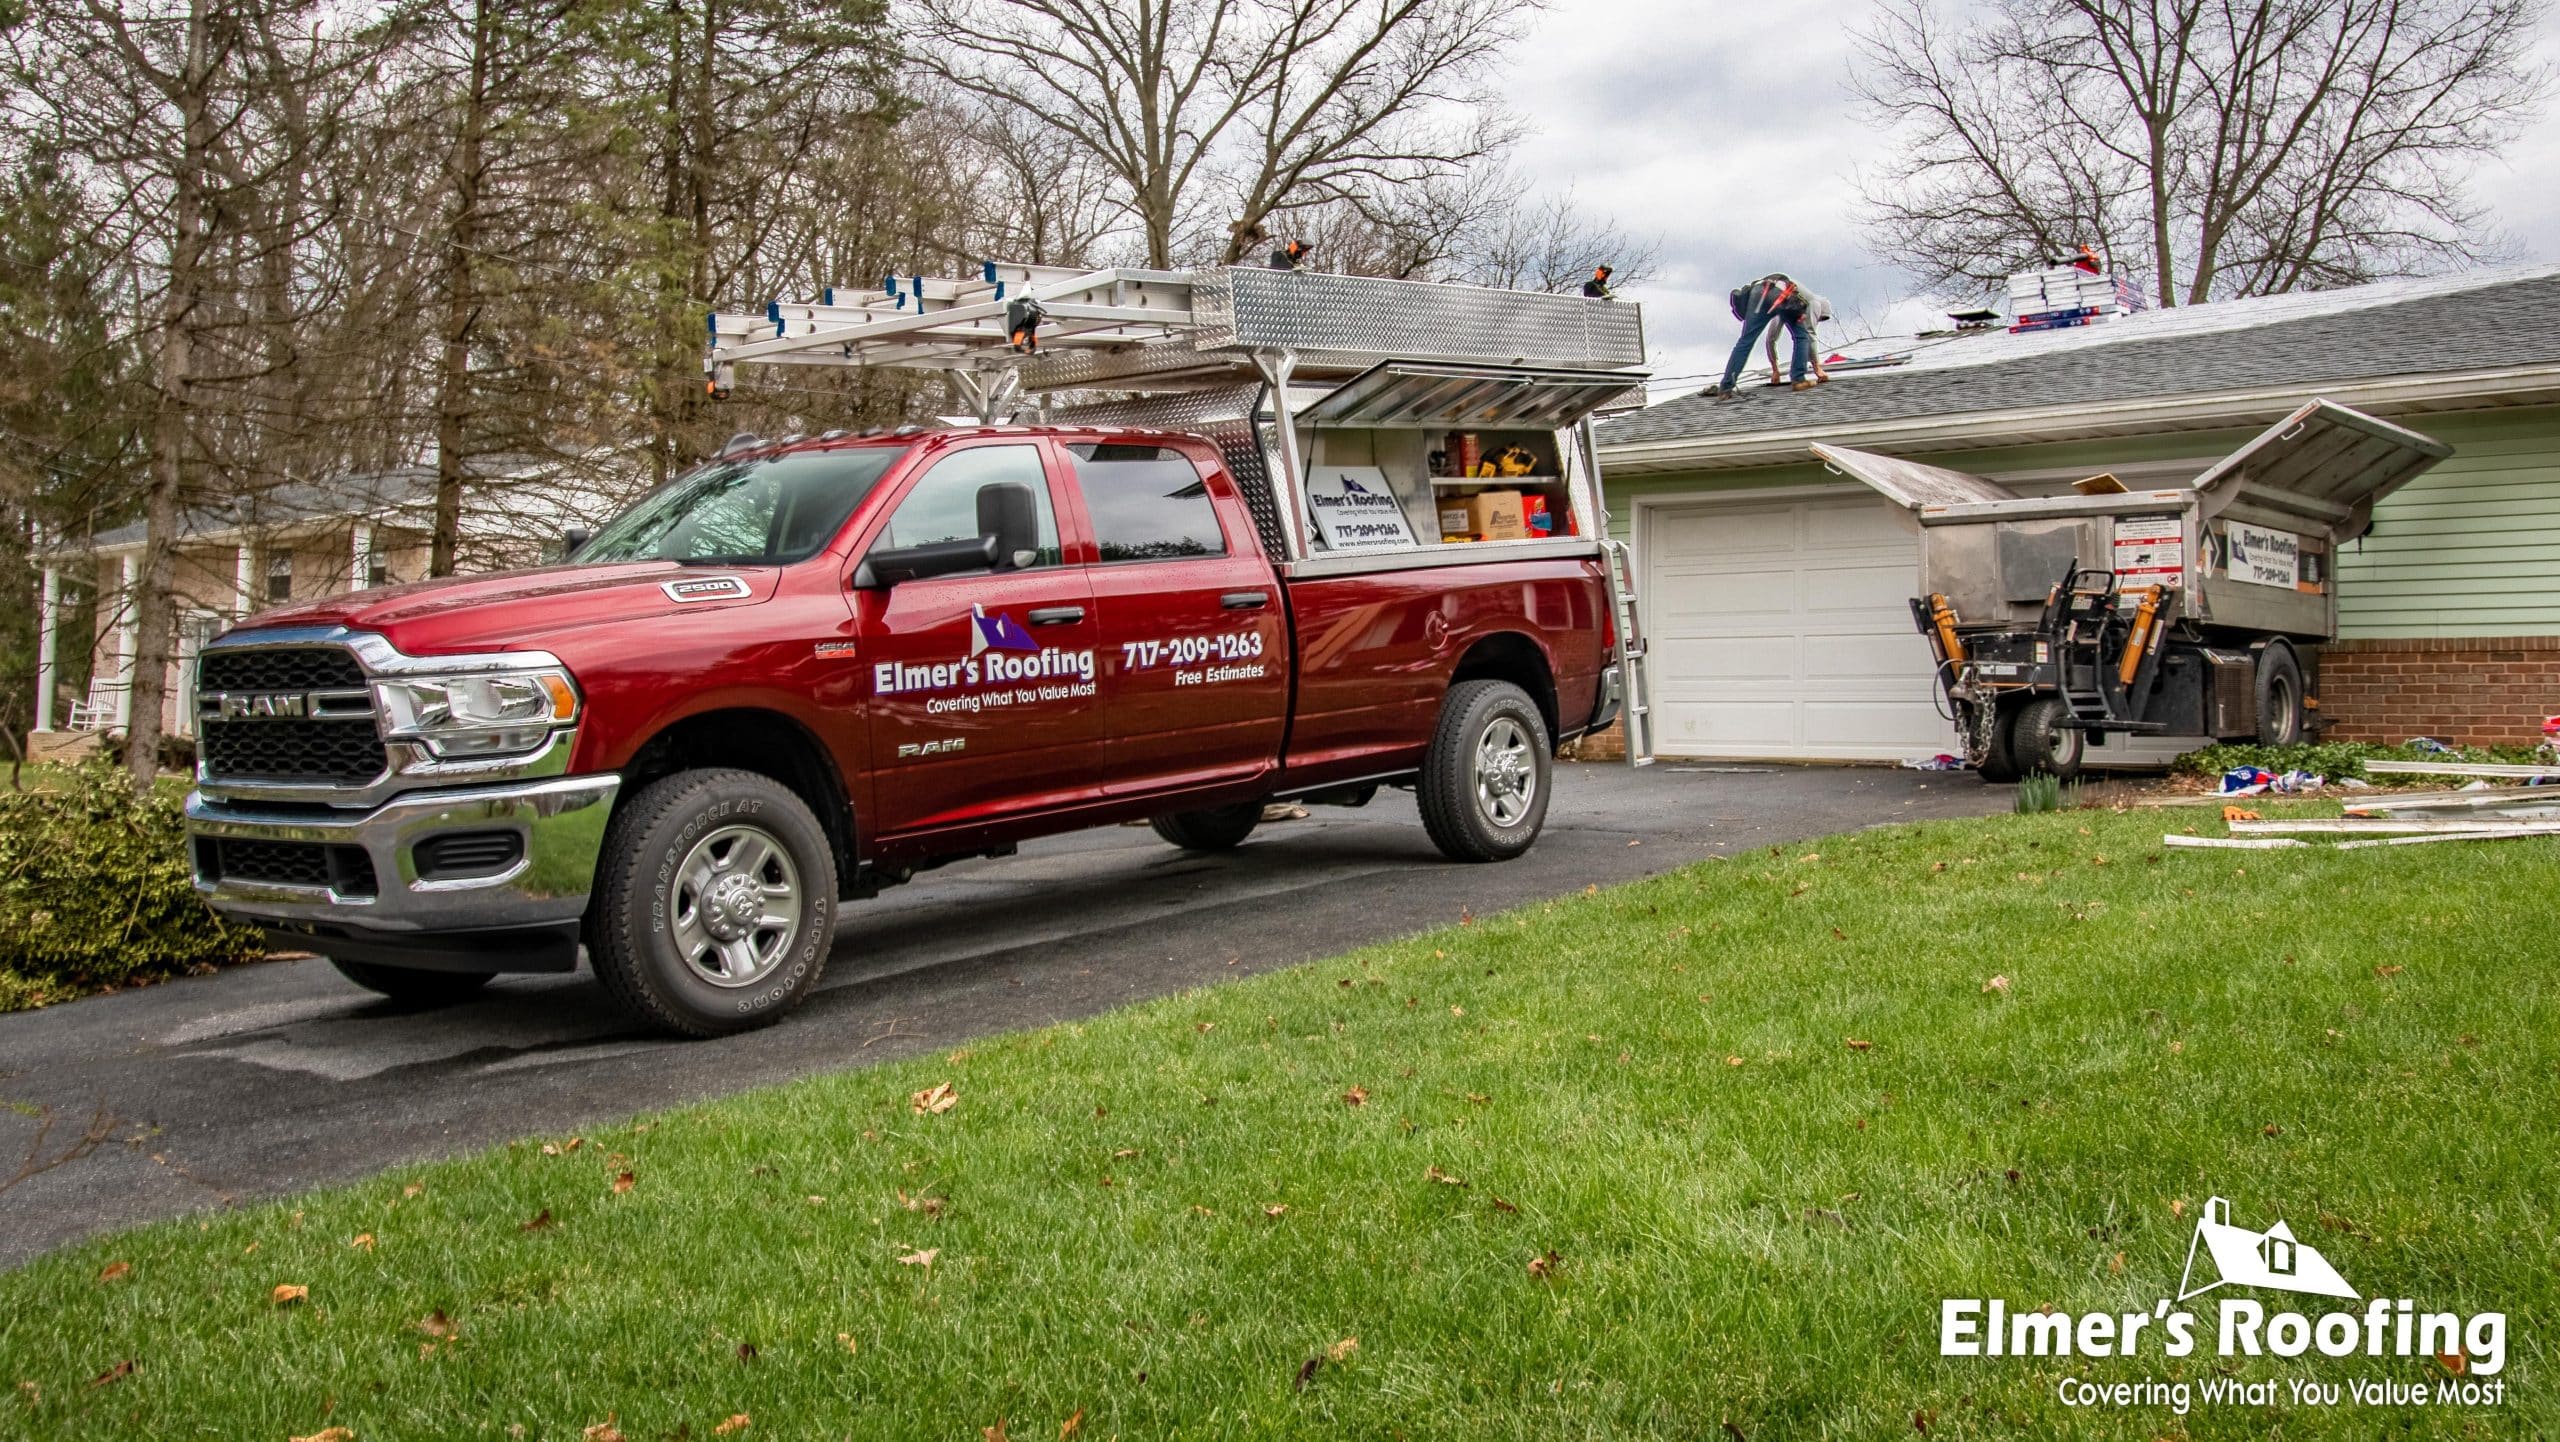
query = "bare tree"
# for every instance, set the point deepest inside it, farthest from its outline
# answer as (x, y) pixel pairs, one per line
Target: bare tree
(1480, 226)
(2223, 147)
(1206, 112)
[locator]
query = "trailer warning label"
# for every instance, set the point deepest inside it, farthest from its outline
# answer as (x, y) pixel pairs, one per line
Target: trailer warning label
(2150, 546)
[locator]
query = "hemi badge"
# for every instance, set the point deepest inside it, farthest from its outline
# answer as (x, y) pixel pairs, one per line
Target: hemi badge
(828, 650)
(705, 588)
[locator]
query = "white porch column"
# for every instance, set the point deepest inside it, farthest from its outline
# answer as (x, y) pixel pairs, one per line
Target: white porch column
(243, 581)
(129, 638)
(48, 616)
(363, 558)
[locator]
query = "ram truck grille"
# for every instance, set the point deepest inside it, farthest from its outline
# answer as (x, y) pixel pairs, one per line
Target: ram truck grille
(295, 714)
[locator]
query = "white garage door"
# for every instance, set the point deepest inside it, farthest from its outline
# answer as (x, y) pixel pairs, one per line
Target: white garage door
(1783, 629)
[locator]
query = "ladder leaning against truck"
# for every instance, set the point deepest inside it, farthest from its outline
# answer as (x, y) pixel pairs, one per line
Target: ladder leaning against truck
(1216, 539)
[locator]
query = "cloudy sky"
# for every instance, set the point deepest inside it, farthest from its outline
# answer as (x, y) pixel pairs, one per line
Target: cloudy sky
(1724, 132)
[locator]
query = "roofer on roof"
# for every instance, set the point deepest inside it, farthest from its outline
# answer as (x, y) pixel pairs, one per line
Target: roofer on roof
(1773, 298)
(1808, 343)
(1597, 287)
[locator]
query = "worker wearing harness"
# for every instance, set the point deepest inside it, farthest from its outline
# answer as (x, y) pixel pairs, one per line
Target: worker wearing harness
(1771, 299)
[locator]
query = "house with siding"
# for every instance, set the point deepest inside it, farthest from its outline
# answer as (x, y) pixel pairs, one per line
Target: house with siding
(1775, 593)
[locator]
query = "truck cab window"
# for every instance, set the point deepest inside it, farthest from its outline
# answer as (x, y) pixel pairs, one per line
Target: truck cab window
(963, 498)
(1148, 503)
(757, 512)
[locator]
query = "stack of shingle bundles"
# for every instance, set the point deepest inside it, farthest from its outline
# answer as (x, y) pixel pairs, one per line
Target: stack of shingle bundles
(2061, 296)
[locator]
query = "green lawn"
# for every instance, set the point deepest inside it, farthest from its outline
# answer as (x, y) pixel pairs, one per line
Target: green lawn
(1752, 1121)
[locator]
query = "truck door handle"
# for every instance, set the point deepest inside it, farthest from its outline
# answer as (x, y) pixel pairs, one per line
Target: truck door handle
(1057, 615)
(1245, 600)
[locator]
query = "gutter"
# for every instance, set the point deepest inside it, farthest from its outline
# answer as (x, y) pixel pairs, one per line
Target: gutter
(1975, 430)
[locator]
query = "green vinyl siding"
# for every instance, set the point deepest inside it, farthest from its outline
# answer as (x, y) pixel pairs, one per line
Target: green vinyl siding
(2472, 548)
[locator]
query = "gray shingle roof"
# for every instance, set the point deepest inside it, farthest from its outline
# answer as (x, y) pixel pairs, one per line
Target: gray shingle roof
(2411, 331)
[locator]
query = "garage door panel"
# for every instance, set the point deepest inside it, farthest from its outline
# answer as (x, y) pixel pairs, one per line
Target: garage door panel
(1867, 587)
(1690, 664)
(1783, 629)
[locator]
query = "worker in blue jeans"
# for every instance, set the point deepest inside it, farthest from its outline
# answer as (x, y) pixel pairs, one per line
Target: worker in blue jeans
(1772, 299)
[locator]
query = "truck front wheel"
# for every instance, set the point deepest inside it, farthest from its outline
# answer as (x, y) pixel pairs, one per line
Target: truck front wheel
(412, 984)
(715, 907)
(1483, 787)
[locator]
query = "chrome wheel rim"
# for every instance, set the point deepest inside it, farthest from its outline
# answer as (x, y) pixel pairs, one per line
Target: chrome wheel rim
(736, 906)
(1506, 773)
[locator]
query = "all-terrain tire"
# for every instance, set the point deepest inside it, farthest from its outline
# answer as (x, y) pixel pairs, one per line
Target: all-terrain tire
(1997, 764)
(1486, 779)
(2040, 745)
(685, 862)
(411, 984)
(1222, 829)
(2281, 713)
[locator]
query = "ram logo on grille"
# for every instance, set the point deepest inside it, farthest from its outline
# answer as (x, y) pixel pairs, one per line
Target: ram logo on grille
(251, 705)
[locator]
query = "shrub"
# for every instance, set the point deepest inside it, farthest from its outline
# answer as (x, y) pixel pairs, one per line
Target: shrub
(95, 890)
(2335, 759)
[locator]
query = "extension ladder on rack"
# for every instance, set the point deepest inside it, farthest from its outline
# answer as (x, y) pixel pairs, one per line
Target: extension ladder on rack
(1628, 665)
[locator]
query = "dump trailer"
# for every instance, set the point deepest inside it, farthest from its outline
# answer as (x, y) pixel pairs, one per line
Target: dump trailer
(2185, 611)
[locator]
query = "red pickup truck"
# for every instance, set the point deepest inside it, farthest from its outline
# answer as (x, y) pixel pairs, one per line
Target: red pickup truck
(807, 670)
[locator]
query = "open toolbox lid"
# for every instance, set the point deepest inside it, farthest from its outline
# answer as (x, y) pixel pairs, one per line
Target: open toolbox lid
(1418, 393)
(1910, 483)
(2324, 466)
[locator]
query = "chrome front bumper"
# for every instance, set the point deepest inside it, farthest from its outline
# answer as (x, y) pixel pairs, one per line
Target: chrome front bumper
(561, 821)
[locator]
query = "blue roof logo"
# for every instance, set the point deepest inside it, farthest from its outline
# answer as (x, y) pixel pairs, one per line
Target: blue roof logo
(1000, 632)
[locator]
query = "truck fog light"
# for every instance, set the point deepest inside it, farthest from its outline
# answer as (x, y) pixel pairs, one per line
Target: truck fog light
(505, 742)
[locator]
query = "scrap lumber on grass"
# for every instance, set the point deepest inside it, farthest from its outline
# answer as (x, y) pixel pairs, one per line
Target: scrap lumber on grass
(2464, 768)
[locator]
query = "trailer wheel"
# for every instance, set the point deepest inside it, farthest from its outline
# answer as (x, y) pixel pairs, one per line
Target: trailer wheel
(2280, 709)
(1223, 829)
(1484, 782)
(716, 903)
(2040, 744)
(415, 985)
(1996, 764)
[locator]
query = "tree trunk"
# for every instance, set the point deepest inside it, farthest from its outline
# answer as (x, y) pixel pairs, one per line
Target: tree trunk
(171, 421)
(461, 305)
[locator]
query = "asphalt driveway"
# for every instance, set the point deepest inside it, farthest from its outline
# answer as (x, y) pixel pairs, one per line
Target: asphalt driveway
(270, 1079)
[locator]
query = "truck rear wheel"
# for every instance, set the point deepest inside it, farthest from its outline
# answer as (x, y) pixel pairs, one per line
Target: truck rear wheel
(2040, 744)
(412, 984)
(1483, 787)
(1223, 829)
(716, 904)
(2280, 709)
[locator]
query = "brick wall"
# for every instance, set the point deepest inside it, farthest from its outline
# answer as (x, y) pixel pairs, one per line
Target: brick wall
(2470, 692)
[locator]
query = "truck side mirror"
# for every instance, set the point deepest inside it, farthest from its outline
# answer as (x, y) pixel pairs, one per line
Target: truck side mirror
(897, 564)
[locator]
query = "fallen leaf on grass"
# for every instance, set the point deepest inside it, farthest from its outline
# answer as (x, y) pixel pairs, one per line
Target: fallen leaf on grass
(603, 1431)
(436, 1324)
(541, 1219)
(930, 1206)
(1434, 1174)
(2240, 813)
(746, 1351)
(361, 1241)
(288, 1293)
(116, 1272)
(1199, 1210)
(1543, 1267)
(413, 1189)
(1342, 1350)
(623, 1182)
(1733, 1061)
(995, 1433)
(1808, 856)
(2271, 1130)
(1072, 1425)
(330, 1434)
(1853, 1044)
(1275, 1209)
(923, 1258)
(1500, 1205)
(934, 1100)
(1356, 1097)
(737, 1422)
(852, 1344)
(1999, 984)
(2389, 971)
(2115, 1265)
(2177, 1206)
(2453, 1362)
(116, 1373)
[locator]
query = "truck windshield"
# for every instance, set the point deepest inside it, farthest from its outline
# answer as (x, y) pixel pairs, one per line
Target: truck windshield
(758, 512)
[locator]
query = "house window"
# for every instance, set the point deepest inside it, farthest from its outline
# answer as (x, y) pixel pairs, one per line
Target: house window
(280, 576)
(377, 571)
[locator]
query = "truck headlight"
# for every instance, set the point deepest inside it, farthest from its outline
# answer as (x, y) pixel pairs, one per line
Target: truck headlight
(501, 713)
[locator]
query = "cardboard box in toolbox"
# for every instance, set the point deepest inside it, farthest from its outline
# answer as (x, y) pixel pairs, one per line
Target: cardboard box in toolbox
(1484, 516)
